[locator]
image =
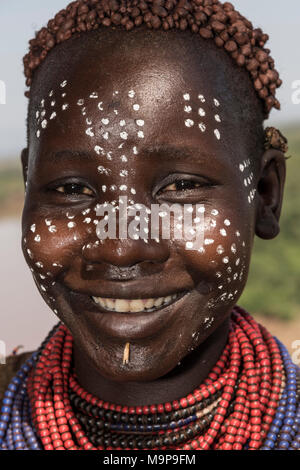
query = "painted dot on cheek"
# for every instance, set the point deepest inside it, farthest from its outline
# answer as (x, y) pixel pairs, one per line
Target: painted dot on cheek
(217, 134)
(189, 122)
(220, 249)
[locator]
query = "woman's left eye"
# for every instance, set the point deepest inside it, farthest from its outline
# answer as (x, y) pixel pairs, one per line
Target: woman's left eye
(181, 185)
(74, 188)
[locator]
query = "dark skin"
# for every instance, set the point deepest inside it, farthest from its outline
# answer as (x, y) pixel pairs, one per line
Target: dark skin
(172, 349)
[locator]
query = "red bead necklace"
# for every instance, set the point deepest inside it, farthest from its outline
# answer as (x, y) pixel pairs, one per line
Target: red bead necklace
(249, 375)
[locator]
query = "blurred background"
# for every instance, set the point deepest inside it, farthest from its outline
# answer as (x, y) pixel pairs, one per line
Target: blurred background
(272, 294)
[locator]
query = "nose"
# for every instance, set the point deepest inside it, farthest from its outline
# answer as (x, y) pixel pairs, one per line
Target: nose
(126, 252)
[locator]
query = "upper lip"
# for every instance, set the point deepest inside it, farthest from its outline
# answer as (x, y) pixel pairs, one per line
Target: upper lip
(128, 290)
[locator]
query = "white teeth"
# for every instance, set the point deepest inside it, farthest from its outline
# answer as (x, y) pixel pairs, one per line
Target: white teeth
(149, 303)
(133, 305)
(136, 305)
(158, 301)
(121, 305)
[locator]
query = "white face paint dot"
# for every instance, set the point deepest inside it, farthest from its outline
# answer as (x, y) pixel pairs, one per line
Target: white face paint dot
(136, 107)
(94, 95)
(201, 112)
(189, 245)
(214, 212)
(124, 135)
(105, 121)
(202, 126)
(227, 222)
(44, 123)
(217, 134)
(52, 229)
(140, 134)
(216, 102)
(225, 260)
(71, 224)
(89, 132)
(187, 109)
(37, 238)
(80, 102)
(33, 227)
(53, 115)
(135, 150)
(217, 118)
(220, 249)
(201, 98)
(63, 84)
(223, 232)
(100, 105)
(233, 248)
(131, 93)
(189, 122)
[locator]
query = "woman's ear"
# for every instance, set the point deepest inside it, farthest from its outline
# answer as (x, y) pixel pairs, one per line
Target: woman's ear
(270, 194)
(24, 160)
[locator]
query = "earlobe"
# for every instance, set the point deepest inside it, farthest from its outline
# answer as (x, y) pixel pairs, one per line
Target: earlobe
(270, 194)
(24, 160)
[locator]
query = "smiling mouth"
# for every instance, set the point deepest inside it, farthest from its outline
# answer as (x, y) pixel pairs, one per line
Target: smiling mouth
(137, 305)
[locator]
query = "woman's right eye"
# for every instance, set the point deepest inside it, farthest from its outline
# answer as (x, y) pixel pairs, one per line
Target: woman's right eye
(74, 188)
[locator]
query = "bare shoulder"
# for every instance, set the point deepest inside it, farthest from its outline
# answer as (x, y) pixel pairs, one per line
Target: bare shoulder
(9, 370)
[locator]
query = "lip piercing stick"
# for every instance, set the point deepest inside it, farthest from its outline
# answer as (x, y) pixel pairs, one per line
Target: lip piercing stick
(126, 353)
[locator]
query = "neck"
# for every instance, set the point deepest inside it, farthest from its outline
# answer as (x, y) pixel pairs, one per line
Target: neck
(178, 383)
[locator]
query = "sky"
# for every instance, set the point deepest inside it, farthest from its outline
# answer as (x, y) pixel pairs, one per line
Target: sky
(19, 19)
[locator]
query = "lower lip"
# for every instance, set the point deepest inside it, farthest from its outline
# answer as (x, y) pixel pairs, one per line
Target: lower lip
(131, 325)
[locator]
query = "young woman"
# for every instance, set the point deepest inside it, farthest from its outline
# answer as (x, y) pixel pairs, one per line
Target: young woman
(145, 103)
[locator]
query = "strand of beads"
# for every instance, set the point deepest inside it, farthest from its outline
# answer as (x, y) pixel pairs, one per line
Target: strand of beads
(284, 425)
(15, 430)
(234, 408)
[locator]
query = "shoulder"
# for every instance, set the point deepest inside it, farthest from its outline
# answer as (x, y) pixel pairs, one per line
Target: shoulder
(9, 370)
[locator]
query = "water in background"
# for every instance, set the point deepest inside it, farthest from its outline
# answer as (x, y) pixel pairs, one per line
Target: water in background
(25, 319)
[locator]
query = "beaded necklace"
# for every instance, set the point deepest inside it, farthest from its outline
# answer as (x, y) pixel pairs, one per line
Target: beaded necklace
(250, 400)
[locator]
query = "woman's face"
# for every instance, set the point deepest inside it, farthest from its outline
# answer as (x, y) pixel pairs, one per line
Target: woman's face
(156, 131)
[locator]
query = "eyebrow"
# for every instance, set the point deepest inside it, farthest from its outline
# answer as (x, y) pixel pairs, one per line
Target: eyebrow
(168, 151)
